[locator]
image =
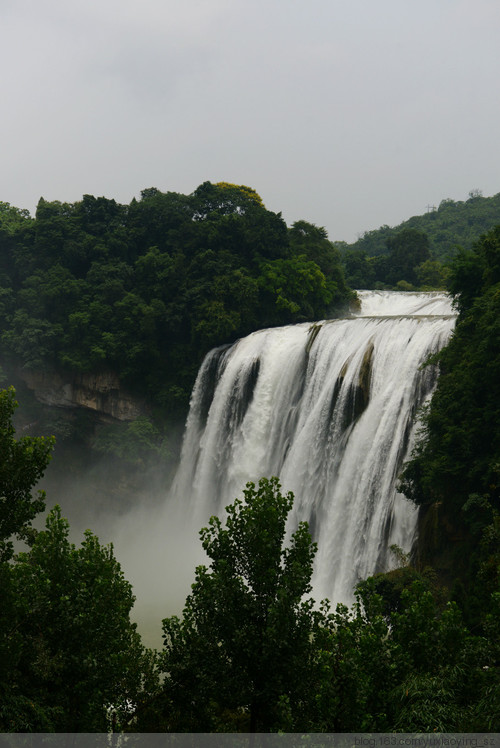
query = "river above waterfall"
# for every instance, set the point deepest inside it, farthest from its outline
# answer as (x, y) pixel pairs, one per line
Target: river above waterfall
(413, 303)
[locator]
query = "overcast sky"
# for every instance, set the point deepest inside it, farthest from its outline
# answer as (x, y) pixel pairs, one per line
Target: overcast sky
(346, 113)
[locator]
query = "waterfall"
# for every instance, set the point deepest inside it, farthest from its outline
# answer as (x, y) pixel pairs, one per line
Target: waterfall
(330, 408)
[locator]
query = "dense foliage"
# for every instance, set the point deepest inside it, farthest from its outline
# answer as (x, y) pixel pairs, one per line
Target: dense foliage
(70, 658)
(460, 451)
(146, 289)
(407, 266)
(251, 654)
(76, 655)
(453, 223)
(454, 473)
(244, 643)
(416, 253)
(22, 464)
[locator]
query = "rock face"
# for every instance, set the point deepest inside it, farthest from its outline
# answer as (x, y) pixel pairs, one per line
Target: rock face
(101, 393)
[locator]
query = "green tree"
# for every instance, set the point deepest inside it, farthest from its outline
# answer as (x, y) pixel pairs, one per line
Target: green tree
(407, 249)
(22, 464)
(11, 218)
(294, 290)
(432, 274)
(33, 340)
(358, 269)
(133, 441)
(68, 650)
(77, 654)
(437, 676)
(454, 224)
(459, 452)
(312, 241)
(225, 198)
(244, 646)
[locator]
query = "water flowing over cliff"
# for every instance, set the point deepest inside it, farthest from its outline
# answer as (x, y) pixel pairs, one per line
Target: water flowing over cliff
(330, 408)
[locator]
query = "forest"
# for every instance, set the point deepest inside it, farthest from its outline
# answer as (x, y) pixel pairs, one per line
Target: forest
(142, 292)
(416, 253)
(145, 290)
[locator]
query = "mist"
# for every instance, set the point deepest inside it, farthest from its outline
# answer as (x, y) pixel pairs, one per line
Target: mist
(156, 542)
(159, 551)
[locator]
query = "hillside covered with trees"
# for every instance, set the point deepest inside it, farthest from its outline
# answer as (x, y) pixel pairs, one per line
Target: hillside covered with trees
(454, 474)
(417, 252)
(146, 289)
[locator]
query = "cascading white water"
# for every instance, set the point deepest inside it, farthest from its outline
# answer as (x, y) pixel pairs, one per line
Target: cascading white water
(330, 408)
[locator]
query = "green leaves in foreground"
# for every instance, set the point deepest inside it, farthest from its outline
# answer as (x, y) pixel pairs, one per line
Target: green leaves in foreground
(244, 646)
(74, 652)
(250, 654)
(22, 464)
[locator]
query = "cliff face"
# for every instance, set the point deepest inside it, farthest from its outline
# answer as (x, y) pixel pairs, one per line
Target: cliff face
(101, 393)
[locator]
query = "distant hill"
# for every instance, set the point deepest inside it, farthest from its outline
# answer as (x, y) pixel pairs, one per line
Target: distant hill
(452, 224)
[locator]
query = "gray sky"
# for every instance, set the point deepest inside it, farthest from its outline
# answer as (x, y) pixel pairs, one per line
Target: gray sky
(346, 113)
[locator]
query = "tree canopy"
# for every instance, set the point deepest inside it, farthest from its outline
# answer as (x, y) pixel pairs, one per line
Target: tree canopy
(451, 224)
(454, 471)
(146, 289)
(459, 452)
(22, 464)
(244, 641)
(250, 653)
(75, 655)
(416, 254)
(68, 650)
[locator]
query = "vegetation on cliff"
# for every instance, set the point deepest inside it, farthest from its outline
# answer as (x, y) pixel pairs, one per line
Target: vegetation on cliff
(146, 289)
(454, 473)
(68, 650)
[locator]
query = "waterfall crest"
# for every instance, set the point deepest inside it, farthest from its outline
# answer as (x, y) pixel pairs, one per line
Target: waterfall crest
(329, 407)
